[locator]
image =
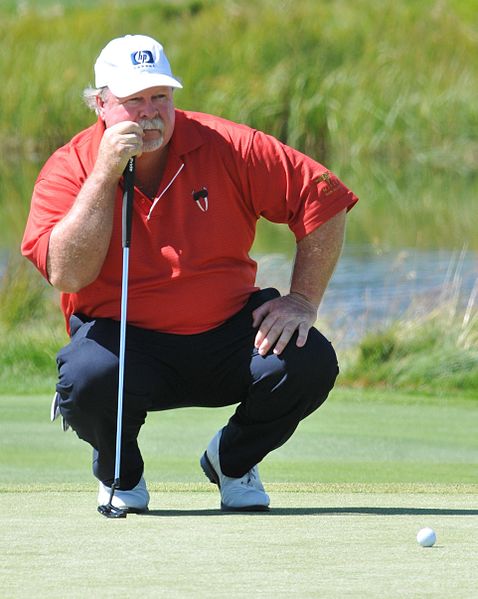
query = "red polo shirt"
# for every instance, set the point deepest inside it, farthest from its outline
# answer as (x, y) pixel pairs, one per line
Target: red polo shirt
(190, 268)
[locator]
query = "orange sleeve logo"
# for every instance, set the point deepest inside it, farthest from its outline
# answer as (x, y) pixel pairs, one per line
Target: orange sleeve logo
(331, 182)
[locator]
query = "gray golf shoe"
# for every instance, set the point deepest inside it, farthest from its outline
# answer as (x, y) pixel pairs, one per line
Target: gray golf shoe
(245, 494)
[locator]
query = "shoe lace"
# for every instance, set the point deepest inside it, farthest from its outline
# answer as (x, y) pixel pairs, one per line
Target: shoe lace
(250, 477)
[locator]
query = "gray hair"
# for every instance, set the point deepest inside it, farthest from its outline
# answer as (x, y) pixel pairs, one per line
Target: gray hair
(91, 93)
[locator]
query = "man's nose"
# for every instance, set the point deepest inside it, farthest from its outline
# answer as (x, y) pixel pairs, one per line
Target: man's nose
(149, 110)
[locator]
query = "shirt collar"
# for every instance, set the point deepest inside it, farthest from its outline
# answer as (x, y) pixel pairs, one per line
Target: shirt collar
(186, 136)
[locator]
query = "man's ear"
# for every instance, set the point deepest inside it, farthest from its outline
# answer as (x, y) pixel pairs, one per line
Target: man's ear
(99, 106)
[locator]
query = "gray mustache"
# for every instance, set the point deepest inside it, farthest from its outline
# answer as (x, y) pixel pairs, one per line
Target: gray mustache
(146, 124)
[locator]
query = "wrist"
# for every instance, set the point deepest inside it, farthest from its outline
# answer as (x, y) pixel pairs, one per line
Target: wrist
(304, 299)
(103, 176)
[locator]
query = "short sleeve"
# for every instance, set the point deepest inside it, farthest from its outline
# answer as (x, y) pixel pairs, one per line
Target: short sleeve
(289, 187)
(54, 193)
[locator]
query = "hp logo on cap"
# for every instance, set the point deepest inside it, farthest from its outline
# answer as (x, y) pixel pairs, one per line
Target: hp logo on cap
(142, 57)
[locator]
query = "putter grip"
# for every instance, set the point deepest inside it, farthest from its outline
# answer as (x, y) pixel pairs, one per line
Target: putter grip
(128, 195)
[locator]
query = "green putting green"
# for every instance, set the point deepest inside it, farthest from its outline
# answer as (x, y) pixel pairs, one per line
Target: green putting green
(312, 544)
(349, 493)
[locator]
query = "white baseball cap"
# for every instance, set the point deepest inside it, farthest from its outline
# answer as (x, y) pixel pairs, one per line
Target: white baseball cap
(129, 64)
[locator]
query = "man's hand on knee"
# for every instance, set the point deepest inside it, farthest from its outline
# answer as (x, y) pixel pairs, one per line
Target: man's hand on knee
(278, 319)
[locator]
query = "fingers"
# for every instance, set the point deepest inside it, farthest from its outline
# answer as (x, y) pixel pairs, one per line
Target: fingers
(278, 336)
(259, 314)
(266, 335)
(278, 320)
(303, 334)
(119, 143)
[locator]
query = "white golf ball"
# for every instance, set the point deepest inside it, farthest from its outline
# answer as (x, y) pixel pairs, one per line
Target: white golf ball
(426, 537)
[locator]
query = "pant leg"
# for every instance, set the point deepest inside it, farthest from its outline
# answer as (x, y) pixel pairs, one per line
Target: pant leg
(282, 391)
(88, 388)
(216, 368)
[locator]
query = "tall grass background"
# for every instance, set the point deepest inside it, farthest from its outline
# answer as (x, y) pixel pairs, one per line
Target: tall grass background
(383, 93)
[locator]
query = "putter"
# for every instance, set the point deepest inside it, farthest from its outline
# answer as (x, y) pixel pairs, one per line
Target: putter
(109, 510)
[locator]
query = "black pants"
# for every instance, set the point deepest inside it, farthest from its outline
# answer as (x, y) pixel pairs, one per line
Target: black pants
(163, 371)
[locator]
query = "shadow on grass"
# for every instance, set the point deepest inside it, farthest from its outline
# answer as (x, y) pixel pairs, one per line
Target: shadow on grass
(322, 511)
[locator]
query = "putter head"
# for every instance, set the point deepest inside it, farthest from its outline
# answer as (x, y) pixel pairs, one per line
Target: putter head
(110, 511)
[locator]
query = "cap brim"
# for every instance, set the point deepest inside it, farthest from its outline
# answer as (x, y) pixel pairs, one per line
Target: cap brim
(132, 85)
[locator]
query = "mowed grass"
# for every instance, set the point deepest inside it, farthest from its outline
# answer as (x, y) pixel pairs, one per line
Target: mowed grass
(328, 545)
(356, 437)
(349, 492)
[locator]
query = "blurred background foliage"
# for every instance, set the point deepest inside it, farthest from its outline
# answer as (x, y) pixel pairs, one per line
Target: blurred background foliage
(382, 92)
